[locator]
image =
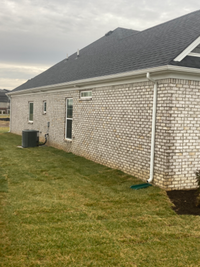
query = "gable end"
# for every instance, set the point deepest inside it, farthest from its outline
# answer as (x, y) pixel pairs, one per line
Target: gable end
(192, 50)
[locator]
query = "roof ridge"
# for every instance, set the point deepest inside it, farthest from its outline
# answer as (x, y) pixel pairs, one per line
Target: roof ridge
(125, 29)
(135, 32)
(169, 21)
(116, 53)
(166, 22)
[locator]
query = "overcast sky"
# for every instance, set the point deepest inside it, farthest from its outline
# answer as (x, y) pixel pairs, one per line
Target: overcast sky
(36, 34)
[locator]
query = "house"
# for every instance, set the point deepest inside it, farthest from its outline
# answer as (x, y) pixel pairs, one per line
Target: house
(130, 100)
(4, 102)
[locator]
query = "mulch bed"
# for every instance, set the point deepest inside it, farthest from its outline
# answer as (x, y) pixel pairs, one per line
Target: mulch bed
(185, 201)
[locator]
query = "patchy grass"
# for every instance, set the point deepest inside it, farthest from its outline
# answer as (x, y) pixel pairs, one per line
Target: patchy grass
(4, 129)
(4, 126)
(58, 209)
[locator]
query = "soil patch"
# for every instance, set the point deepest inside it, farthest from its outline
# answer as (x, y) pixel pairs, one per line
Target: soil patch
(185, 201)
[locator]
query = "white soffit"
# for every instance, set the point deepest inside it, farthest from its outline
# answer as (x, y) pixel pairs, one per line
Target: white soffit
(187, 51)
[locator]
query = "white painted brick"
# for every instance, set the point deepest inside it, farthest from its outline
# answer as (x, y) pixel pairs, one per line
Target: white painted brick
(114, 128)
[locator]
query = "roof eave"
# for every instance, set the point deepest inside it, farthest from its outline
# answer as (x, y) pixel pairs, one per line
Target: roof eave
(167, 71)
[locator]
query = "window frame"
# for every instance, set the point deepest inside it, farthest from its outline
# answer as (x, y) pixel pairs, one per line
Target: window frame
(86, 97)
(68, 119)
(44, 106)
(29, 114)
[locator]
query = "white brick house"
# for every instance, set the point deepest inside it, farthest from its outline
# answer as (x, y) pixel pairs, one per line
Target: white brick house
(4, 102)
(130, 100)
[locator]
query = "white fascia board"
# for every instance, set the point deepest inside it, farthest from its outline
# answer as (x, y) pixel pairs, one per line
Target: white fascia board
(194, 54)
(162, 72)
(91, 81)
(192, 46)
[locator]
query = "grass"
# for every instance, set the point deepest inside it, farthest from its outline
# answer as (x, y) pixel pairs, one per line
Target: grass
(4, 126)
(4, 129)
(58, 209)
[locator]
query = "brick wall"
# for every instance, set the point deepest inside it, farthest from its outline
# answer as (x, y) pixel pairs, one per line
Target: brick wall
(114, 128)
(184, 133)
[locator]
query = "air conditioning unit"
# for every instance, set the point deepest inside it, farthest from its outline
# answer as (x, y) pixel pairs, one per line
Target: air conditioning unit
(30, 138)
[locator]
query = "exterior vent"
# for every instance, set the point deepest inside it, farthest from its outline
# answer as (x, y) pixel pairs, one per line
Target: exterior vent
(108, 33)
(30, 138)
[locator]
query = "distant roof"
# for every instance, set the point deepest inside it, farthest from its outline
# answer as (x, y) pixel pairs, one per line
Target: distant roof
(3, 96)
(124, 50)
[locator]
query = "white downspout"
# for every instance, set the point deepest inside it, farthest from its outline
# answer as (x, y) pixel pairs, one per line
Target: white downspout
(153, 127)
(10, 114)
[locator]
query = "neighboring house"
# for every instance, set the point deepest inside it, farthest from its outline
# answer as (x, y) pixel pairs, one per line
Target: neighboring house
(101, 103)
(4, 102)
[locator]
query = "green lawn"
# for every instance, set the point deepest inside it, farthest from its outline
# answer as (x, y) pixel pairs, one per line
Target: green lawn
(4, 126)
(4, 130)
(58, 209)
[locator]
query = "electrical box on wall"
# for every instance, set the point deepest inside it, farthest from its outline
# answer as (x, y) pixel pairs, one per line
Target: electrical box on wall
(30, 138)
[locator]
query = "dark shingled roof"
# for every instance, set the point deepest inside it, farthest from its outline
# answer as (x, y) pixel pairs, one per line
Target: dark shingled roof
(125, 50)
(3, 96)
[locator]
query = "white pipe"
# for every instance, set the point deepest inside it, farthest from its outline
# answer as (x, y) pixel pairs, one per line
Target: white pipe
(153, 127)
(10, 113)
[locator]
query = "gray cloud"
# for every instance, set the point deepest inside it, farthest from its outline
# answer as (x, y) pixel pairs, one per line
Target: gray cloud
(41, 32)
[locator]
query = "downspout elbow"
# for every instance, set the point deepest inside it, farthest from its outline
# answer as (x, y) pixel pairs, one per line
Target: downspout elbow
(150, 79)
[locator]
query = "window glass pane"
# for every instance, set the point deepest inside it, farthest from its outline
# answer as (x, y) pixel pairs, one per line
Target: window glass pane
(69, 108)
(69, 116)
(86, 94)
(30, 111)
(45, 106)
(69, 129)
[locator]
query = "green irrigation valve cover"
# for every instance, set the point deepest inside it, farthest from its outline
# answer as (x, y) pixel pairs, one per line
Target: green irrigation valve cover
(140, 186)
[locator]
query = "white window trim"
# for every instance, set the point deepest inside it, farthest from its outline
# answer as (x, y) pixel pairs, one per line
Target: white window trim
(31, 102)
(85, 97)
(66, 138)
(194, 54)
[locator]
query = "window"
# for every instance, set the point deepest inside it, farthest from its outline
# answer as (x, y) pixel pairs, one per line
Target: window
(30, 111)
(44, 107)
(69, 118)
(86, 94)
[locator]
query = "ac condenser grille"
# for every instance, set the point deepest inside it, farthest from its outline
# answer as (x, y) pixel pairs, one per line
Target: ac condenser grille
(30, 138)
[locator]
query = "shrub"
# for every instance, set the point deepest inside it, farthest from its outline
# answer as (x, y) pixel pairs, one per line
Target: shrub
(197, 173)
